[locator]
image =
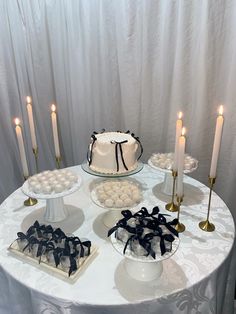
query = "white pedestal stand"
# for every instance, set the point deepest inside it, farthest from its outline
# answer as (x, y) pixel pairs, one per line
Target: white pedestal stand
(55, 209)
(143, 271)
(143, 268)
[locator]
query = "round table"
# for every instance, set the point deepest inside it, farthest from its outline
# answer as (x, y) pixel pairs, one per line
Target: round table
(198, 278)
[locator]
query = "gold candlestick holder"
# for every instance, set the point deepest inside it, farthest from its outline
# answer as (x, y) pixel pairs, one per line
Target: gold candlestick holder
(206, 225)
(172, 207)
(58, 162)
(179, 227)
(30, 201)
(35, 152)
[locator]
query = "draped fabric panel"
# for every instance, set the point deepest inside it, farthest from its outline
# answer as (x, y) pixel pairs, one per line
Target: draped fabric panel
(118, 65)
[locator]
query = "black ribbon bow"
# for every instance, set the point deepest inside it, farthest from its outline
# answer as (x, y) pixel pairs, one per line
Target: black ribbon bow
(119, 146)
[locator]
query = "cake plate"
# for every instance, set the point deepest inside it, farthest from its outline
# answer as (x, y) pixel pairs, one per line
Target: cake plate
(143, 268)
(167, 184)
(113, 214)
(86, 168)
(55, 208)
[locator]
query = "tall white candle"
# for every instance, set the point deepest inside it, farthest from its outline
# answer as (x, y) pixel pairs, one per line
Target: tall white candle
(181, 151)
(55, 131)
(21, 148)
(179, 124)
(31, 122)
(217, 141)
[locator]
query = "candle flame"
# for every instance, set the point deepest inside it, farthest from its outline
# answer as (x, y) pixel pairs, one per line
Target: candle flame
(17, 121)
(53, 108)
(28, 100)
(221, 110)
(180, 115)
(183, 132)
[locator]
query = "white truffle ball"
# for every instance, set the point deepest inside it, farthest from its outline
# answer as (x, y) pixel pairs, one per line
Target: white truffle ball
(136, 197)
(119, 203)
(46, 189)
(128, 202)
(58, 188)
(101, 197)
(37, 188)
(123, 196)
(109, 202)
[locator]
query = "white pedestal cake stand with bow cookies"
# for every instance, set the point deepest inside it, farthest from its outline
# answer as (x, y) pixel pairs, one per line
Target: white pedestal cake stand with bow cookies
(143, 268)
(55, 208)
(167, 184)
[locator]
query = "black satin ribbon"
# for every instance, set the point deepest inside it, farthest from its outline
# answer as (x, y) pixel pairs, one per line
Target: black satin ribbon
(138, 140)
(119, 146)
(90, 148)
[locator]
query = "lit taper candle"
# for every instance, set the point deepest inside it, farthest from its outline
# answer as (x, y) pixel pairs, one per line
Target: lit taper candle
(217, 141)
(181, 151)
(21, 148)
(179, 124)
(31, 122)
(55, 131)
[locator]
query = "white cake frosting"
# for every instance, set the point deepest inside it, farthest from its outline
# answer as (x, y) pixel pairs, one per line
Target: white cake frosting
(113, 152)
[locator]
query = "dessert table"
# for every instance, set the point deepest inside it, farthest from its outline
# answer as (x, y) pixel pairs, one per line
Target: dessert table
(198, 278)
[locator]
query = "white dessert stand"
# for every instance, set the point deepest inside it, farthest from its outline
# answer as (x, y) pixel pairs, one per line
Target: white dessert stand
(113, 214)
(86, 168)
(167, 184)
(55, 208)
(143, 268)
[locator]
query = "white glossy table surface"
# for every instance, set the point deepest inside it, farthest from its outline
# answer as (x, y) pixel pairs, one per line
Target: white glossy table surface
(105, 281)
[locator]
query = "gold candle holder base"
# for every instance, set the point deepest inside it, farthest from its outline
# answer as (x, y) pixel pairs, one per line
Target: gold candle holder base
(30, 201)
(179, 226)
(35, 152)
(172, 207)
(58, 162)
(206, 225)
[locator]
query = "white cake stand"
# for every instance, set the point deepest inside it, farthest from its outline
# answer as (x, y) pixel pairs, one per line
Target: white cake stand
(55, 208)
(143, 268)
(87, 169)
(113, 214)
(167, 184)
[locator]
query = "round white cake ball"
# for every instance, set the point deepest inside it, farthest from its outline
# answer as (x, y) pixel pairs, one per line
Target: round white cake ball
(109, 192)
(67, 184)
(119, 203)
(37, 188)
(46, 189)
(128, 202)
(123, 196)
(58, 188)
(55, 171)
(136, 197)
(72, 178)
(109, 202)
(32, 184)
(46, 172)
(101, 197)
(100, 190)
(60, 176)
(50, 174)
(114, 197)
(107, 187)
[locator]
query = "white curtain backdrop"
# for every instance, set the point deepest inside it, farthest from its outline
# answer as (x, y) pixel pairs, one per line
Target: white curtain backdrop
(118, 65)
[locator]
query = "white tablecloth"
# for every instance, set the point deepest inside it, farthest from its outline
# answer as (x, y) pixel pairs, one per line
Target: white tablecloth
(198, 278)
